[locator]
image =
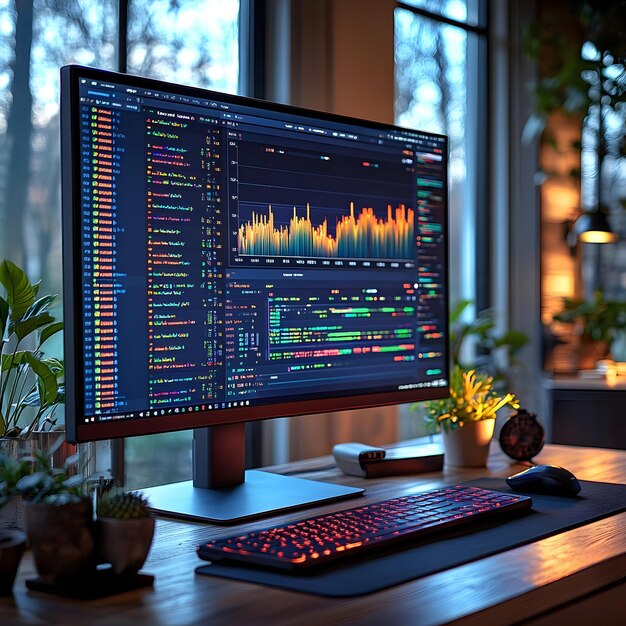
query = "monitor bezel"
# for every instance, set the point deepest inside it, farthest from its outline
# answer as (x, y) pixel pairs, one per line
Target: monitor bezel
(76, 431)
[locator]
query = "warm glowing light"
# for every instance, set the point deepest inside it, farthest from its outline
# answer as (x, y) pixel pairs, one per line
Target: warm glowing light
(559, 285)
(611, 375)
(598, 236)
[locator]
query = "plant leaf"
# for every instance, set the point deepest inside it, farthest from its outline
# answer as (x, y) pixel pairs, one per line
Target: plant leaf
(12, 360)
(73, 481)
(39, 306)
(56, 365)
(23, 328)
(48, 331)
(30, 481)
(46, 377)
(457, 311)
(20, 293)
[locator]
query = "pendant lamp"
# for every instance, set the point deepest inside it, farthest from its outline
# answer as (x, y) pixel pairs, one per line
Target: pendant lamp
(594, 227)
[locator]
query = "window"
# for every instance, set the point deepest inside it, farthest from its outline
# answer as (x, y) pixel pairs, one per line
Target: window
(194, 42)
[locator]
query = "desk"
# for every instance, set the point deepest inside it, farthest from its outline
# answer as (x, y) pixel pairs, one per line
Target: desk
(558, 580)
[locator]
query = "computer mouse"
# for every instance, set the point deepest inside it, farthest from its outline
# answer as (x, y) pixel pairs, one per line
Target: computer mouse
(547, 479)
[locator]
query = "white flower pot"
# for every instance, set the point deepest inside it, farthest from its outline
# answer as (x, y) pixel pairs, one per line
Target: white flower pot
(468, 446)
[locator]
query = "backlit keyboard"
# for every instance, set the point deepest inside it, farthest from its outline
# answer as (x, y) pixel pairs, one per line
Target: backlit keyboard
(316, 540)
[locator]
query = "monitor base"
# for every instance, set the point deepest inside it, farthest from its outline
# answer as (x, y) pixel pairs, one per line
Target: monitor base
(261, 494)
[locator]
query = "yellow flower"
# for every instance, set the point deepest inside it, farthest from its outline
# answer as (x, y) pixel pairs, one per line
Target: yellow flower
(472, 398)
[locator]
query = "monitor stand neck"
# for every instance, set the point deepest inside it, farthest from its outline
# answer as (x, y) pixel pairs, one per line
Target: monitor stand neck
(219, 456)
(224, 492)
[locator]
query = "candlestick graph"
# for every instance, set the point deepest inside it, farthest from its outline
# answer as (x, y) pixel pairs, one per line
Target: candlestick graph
(361, 236)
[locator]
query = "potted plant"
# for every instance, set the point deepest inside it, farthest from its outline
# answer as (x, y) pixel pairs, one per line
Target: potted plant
(476, 344)
(125, 531)
(31, 385)
(597, 323)
(467, 417)
(12, 540)
(59, 518)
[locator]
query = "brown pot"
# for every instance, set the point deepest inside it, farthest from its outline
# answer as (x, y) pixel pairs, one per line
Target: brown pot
(12, 514)
(125, 543)
(590, 351)
(62, 539)
(12, 544)
(468, 446)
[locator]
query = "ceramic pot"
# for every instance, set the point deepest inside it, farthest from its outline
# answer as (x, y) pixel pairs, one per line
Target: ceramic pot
(12, 515)
(12, 544)
(468, 446)
(125, 543)
(62, 539)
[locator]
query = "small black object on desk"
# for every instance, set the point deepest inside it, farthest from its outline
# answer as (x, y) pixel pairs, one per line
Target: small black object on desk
(546, 479)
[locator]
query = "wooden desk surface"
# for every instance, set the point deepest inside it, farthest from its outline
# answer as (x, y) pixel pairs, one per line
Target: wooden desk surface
(519, 584)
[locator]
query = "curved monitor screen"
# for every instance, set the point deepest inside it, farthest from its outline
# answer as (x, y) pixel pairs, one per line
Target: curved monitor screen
(227, 259)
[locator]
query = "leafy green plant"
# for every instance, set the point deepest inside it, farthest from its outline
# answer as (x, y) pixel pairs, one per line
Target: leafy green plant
(599, 319)
(31, 386)
(49, 484)
(489, 342)
(123, 505)
(472, 398)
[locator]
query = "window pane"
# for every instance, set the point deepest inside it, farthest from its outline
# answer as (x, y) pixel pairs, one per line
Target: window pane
(432, 93)
(38, 38)
(195, 42)
(459, 10)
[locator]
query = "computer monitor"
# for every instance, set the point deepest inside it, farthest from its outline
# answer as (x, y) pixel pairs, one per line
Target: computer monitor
(229, 260)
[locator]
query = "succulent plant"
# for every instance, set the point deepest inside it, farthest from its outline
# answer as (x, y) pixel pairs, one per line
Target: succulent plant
(123, 505)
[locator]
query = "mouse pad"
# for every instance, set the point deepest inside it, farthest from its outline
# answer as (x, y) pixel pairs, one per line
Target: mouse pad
(401, 563)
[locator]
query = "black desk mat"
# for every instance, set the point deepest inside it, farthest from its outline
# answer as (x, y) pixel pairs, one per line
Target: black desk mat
(372, 572)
